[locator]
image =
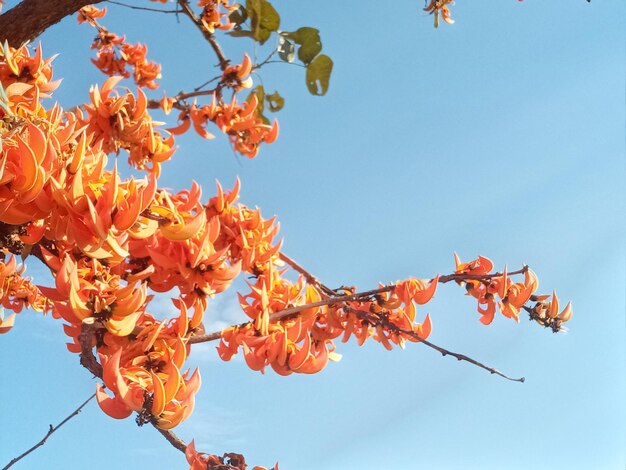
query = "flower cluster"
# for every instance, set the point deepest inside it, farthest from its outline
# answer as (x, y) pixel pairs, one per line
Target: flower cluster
(122, 122)
(17, 292)
(145, 376)
(231, 461)
(303, 343)
(498, 290)
(109, 241)
(547, 314)
(114, 54)
(213, 17)
(440, 7)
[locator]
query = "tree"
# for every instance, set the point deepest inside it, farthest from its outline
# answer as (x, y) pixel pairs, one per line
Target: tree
(108, 239)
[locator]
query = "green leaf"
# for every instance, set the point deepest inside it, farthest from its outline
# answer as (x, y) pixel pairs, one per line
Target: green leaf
(264, 19)
(318, 75)
(240, 33)
(275, 102)
(238, 16)
(286, 49)
(309, 41)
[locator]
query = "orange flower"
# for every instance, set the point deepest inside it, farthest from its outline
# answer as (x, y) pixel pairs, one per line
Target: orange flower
(237, 76)
(122, 122)
(437, 7)
(518, 294)
(145, 377)
(245, 129)
(90, 13)
(17, 292)
(212, 18)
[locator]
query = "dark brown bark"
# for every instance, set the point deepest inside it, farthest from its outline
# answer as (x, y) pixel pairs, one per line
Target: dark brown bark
(28, 19)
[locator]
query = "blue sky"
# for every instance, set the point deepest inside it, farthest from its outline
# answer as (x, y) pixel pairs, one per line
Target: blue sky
(502, 135)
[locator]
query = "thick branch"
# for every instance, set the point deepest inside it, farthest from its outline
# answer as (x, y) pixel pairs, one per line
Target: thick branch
(30, 18)
(89, 361)
(49, 433)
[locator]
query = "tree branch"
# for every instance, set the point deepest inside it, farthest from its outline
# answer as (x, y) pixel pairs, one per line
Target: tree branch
(336, 299)
(444, 352)
(88, 360)
(27, 20)
(173, 439)
(307, 275)
(463, 357)
(184, 4)
(49, 433)
(182, 96)
(133, 7)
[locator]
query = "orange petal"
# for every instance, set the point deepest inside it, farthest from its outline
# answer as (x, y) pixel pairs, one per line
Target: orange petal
(114, 407)
(425, 295)
(7, 323)
(158, 395)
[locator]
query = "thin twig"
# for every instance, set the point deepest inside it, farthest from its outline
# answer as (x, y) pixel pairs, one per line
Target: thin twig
(133, 7)
(281, 314)
(307, 275)
(179, 98)
(211, 80)
(266, 61)
(184, 4)
(281, 62)
(173, 439)
(463, 357)
(444, 352)
(478, 277)
(51, 430)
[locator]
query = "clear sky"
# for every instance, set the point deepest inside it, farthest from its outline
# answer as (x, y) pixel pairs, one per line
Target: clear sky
(502, 135)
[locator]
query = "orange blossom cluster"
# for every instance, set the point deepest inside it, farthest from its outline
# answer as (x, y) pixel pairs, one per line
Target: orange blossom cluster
(242, 123)
(230, 461)
(509, 297)
(303, 343)
(17, 292)
(109, 240)
(213, 18)
(114, 54)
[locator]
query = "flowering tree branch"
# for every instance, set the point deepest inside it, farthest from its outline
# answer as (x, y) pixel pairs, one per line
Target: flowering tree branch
(334, 299)
(186, 9)
(337, 299)
(108, 239)
(89, 361)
